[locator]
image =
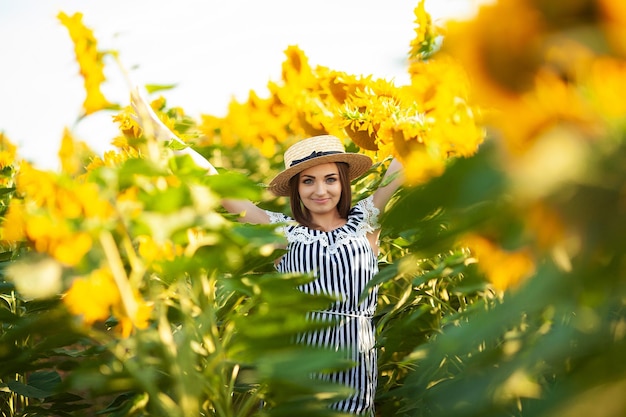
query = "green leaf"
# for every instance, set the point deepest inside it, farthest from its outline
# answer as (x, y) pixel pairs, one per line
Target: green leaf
(6, 190)
(6, 256)
(167, 201)
(6, 287)
(136, 167)
(41, 384)
(164, 225)
(153, 88)
(121, 402)
(184, 166)
(176, 145)
(7, 317)
(234, 185)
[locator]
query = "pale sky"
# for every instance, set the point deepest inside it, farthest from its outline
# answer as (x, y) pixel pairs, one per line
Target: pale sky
(212, 50)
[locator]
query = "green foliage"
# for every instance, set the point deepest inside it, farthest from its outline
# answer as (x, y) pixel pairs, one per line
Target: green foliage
(221, 338)
(221, 342)
(542, 349)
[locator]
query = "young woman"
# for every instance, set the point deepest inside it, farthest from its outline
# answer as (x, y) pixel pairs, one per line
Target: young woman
(329, 238)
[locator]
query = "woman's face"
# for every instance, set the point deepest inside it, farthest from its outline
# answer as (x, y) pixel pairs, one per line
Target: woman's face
(320, 188)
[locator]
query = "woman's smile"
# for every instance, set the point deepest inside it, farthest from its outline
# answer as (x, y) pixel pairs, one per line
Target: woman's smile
(321, 200)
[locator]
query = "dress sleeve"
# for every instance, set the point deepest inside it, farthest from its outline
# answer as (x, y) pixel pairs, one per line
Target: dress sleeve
(277, 217)
(282, 220)
(370, 212)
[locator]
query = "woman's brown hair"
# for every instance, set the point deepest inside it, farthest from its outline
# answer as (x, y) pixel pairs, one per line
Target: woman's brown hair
(302, 215)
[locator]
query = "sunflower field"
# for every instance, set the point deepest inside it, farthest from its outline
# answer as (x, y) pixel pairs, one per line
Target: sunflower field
(127, 290)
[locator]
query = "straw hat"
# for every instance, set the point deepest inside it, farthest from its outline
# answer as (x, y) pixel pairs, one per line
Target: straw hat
(314, 151)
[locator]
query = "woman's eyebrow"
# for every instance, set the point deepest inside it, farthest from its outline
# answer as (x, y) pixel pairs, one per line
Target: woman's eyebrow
(332, 174)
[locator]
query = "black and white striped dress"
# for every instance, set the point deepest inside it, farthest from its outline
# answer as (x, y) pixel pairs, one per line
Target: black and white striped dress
(343, 262)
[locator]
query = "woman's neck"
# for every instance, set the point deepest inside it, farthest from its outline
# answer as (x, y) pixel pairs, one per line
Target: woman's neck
(328, 222)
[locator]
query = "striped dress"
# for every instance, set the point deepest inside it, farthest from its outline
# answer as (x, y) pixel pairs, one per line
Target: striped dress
(343, 262)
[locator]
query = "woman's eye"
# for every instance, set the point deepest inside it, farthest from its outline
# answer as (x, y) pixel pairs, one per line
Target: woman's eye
(332, 179)
(307, 181)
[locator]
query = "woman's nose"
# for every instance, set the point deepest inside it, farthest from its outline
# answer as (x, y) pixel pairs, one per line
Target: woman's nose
(320, 188)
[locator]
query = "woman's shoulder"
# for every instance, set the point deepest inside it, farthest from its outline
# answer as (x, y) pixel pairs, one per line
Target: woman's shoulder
(365, 211)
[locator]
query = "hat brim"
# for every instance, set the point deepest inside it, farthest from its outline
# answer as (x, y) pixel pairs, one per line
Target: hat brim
(359, 164)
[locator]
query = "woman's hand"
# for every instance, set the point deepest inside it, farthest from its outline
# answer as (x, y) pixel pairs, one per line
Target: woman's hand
(148, 119)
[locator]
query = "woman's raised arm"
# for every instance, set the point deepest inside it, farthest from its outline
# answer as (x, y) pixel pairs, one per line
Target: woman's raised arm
(247, 211)
(384, 193)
